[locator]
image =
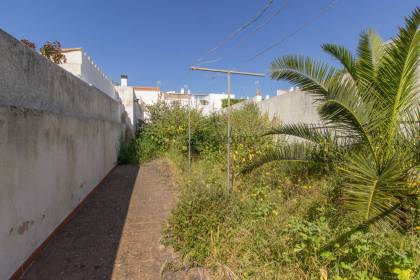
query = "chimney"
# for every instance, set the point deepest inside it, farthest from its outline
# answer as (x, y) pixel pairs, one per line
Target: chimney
(124, 80)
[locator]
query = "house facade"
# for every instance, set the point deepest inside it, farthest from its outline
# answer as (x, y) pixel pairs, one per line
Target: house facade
(81, 65)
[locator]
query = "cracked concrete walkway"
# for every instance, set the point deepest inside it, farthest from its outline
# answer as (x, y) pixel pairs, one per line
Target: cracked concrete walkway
(116, 234)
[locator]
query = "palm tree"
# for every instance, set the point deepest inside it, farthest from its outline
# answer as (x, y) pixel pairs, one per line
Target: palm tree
(370, 110)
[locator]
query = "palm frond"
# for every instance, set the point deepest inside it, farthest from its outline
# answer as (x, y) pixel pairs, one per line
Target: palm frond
(376, 111)
(307, 74)
(410, 126)
(297, 152)
(369, 192)
(351, 113)
(370, 51)
(309, 132)
(398, 81)
(344, 56)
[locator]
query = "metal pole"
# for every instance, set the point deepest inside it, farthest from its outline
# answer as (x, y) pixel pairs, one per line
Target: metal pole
(233, 72)
(229, 109)
(228, 133)
(189, 133)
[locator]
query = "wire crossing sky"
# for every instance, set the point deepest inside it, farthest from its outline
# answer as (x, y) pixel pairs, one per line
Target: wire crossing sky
(300, 28)
(153, 41)
(239, 42)
(239, 30)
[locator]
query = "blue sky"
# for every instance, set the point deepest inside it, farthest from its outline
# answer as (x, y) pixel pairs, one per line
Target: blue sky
(157, 40)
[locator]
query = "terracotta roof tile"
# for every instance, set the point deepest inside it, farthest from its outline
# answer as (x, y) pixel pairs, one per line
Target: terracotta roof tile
(147, 88)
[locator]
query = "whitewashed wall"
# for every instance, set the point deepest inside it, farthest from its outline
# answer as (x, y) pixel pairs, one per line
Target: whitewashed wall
(148, 97)
(214, 102)
(134, 111)
(58, 138)
(81, 65)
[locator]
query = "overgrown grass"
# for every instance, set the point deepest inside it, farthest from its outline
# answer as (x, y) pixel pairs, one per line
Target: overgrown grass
(282, 221)
(288, 230)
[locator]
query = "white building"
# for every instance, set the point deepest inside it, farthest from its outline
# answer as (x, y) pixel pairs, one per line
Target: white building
(82, 66)
(148, 95)
(209, 102)
(181, 98)
(257, 98)
(206, 102)
(134, 108)
(285, 91)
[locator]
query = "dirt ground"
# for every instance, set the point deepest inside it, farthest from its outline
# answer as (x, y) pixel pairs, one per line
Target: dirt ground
(116, 233)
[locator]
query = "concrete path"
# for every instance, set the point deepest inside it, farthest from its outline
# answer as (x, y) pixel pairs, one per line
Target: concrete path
(116, 233)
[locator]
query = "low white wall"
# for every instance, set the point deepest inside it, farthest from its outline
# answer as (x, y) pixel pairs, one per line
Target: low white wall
(291, 107)
(59, 138)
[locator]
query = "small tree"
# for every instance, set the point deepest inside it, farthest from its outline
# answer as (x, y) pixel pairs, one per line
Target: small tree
(29, 44)
(53, 51)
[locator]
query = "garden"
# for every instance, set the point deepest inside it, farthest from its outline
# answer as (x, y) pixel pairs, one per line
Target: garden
(334, 201)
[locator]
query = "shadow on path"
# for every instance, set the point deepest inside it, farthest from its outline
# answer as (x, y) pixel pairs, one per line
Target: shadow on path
(87, 246)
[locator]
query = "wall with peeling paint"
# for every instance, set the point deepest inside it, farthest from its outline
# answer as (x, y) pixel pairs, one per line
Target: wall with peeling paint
(58, 138)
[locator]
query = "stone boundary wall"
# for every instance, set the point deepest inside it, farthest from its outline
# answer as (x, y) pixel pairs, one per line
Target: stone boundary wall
(58, 138)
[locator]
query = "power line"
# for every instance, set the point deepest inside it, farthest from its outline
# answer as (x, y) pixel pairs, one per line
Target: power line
(240, 41)
(276, 13)
(237, 31)
(211, 61)
(300, 28)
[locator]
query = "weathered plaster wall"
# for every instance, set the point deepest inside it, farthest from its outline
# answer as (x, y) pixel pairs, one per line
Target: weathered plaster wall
(93, 75)
(292, 107)
(128, 100)
(58, 138)
(82, 66)
(148, 97)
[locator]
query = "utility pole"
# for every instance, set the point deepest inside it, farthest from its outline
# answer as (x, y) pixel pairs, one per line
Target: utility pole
(189, 129)
(229, 109)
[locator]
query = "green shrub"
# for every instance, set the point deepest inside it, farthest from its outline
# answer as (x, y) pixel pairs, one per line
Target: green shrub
(127, 153)
(166, 128)
(232, 101)
(282, 221)
(263, 231)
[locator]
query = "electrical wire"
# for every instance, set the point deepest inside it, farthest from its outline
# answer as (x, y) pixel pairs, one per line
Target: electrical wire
(244, 38)
(293, 33)
(237, 31)
(275, 14)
